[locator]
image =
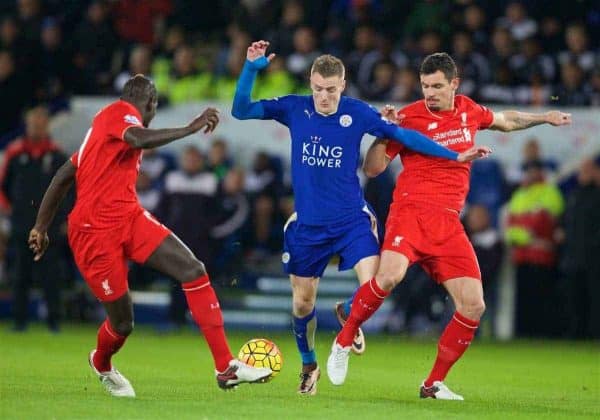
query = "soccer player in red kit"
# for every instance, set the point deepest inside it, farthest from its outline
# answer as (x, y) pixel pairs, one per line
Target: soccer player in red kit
(107, 227)
(423, 225)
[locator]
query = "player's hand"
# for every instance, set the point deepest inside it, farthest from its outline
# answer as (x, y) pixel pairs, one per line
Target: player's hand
(476, 152)
(208, 120)
(389, 113)
(38, 243)
(557, 118)
(256, 51)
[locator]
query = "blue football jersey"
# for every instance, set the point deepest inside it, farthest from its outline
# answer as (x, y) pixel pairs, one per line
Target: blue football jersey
(325, 154)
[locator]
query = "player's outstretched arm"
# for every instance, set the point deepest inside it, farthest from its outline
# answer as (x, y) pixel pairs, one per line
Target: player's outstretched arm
(419, 143)
(516, 120)
(54, 195)
(243, 108)
(148, 138)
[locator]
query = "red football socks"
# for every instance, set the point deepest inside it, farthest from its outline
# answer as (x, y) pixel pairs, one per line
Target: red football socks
(109, 342)
(453, 343)
(205, 309)
(367, 300)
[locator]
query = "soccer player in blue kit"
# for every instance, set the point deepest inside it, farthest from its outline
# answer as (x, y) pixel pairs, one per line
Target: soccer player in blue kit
(331, 216)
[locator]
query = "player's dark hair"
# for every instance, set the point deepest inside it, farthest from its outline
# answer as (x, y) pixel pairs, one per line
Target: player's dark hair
(327, 66)
(139, 87)
(442, 62)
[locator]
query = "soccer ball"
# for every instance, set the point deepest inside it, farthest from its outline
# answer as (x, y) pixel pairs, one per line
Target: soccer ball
(260, 352)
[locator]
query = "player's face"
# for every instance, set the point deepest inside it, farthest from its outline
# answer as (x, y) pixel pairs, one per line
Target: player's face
(438, 91)
(327, 92)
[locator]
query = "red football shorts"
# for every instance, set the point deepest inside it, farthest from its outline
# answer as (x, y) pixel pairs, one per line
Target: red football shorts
(432, 237)
(102, 256)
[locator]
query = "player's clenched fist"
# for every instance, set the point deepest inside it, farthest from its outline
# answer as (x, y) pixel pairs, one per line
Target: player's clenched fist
(38, 242)
(208, 120)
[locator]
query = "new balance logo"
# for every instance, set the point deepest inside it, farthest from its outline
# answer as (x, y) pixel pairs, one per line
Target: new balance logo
(214, 305)
(432, 126)
(107, 290)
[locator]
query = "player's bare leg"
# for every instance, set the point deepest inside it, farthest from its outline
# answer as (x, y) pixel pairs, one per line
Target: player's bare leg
(369, 297)
(175, 259)
(304, 295)
(365, 270)
(467, 294)
(111, 337)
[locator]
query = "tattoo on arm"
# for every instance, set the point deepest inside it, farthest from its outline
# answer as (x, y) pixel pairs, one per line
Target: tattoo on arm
(521, 120)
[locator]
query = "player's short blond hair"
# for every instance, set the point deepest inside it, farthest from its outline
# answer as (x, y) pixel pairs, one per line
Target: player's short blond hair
(327, 66)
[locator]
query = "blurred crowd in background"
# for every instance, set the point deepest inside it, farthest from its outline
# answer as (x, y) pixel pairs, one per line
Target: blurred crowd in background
(533, 53)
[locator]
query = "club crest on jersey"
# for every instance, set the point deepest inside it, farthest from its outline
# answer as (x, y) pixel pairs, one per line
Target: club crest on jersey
(132, 119)
(432, 126)
(345, 120)
(397, 240)
(105, 286)
(285, 257)
(463, 118)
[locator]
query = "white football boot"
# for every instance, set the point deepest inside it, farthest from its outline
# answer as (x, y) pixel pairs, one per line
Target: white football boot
(116, 384)
(238, 372)
(439, 391)
(337, 363)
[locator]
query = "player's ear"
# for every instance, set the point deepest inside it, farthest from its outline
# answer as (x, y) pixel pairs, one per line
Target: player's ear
(343, 84)
(455, 83)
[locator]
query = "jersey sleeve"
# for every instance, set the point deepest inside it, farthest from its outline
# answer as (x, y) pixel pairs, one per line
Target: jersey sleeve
(279, 108)
(121, 119)
(485, 116)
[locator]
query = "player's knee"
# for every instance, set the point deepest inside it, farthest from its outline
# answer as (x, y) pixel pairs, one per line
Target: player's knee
(388, 279)
(303, 305)
(473, 308)
(124, 328)
(195, 270)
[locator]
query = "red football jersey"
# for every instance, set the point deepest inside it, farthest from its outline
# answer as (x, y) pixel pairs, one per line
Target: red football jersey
(107, 170)
(437, 181)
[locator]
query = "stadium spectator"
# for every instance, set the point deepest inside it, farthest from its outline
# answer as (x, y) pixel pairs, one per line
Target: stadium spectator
(188, 207)
(139, 21)
(282, 36)
(488, 246)
(232, 215)
(54, 65)
(383, 53)
(16, 87)
(219, 161)
(571, 89)
(276, 81)
(305, 51)
(475, 23)
(29, 165)
(578, 50)
(364, 41)
(381, 88)
(94, 44)
(530, 62)
(593, 88)
(550, 34)
(185, 82)
(533, 213)
(174, 38)
(263, 186)
(531, 152)
(581, 249)
(30, 19)
(473, 67)
(140, 62)
(517, 21)
(156, 164)
(407, 87)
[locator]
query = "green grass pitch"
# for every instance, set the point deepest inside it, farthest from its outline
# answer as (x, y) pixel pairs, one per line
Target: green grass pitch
(45, 376)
